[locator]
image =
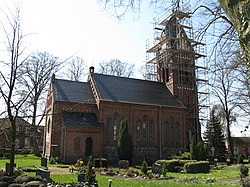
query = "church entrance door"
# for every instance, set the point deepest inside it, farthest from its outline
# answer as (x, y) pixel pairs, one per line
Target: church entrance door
(89, 146)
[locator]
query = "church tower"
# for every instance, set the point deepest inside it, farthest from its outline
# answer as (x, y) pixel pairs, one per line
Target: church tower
(173, 62)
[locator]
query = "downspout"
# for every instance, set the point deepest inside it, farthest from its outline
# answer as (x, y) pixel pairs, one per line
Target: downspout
(160, 128)
(64, 143)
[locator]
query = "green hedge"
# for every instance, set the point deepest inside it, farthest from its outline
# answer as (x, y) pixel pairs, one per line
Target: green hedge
(174, 165)
(197, 167)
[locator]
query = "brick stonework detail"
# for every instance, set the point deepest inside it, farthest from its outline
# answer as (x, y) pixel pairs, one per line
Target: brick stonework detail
(149, 140)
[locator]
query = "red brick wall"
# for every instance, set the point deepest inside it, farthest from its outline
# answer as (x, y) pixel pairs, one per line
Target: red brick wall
(133, 112)
(68, 148)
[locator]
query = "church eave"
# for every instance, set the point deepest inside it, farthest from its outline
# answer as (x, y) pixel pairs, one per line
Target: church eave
(146, 104)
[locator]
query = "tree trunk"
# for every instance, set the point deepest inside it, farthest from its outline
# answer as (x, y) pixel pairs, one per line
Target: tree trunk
(238, 13)
(12, 149)
(230, 143)
(34, 129)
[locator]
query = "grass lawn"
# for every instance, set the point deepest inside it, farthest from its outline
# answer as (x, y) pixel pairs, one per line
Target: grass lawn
(23, 160)
(225, 177)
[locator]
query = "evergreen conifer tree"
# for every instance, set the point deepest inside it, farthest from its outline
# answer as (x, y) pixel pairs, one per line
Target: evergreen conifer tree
(193, 149)
(214, 136)
(90, 173)
(198, 151)
(124, 142)
(144, 167)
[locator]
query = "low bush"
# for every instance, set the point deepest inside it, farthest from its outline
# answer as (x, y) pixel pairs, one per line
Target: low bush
(197, 167)
(52, 160)
(240, 159)
(182, 156)
(173, 165)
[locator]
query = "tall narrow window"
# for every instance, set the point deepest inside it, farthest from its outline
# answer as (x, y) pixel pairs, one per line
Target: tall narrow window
(151, 132)
(48, 126)
(163, 75)
(115, 128)
(166, 130)
(77, 144)
(138, 131)
(177, 129)
(145, 126)
(172, 130)
(167, 74)
(108, 130)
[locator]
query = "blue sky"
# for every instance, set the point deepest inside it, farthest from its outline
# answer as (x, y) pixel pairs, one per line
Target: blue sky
(83, 28)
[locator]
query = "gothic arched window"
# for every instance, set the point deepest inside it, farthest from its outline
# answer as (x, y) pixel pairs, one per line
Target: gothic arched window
(166, 132)
(48, 126)
(144, 128)
(151, 132)
(177, 129)
(115, 126)
(77, 144)
(108, 130)
(172, 130)
(138, 131)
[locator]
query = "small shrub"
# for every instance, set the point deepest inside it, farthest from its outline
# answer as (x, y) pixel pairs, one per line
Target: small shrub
(240, 159)
(164, 169)
(197, 167)
(144, 167)
(90, 173)
(52, 160)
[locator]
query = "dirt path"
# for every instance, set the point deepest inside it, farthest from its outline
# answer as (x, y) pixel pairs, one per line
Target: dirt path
(58, 170)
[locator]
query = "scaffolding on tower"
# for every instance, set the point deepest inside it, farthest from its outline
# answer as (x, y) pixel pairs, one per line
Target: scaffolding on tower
(177, 59)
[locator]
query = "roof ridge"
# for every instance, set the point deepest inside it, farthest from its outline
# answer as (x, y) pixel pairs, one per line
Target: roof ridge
(66, 80)
(130, 78)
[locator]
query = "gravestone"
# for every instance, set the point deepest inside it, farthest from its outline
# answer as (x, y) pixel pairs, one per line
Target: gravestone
(44, 161)
(43, 173)
(123, 164)
(7, 167)
(156, 168)
(81, 177)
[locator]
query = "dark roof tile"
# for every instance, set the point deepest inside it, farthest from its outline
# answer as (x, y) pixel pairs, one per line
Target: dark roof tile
(129, 90)
(82, 119)
(72, 91)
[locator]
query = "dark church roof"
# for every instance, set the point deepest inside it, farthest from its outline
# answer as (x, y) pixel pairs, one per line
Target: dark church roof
(83, 119)
(129, 90)
(115, 89)
(72, 91)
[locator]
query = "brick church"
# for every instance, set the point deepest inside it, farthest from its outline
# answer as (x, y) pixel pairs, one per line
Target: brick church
(83, 118)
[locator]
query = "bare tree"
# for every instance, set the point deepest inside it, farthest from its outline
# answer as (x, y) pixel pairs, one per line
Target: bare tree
(237, 15)
(76, 70)
(116, 67)
(224, 86)
(9, 74)
(143, 71)
(36, 72)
